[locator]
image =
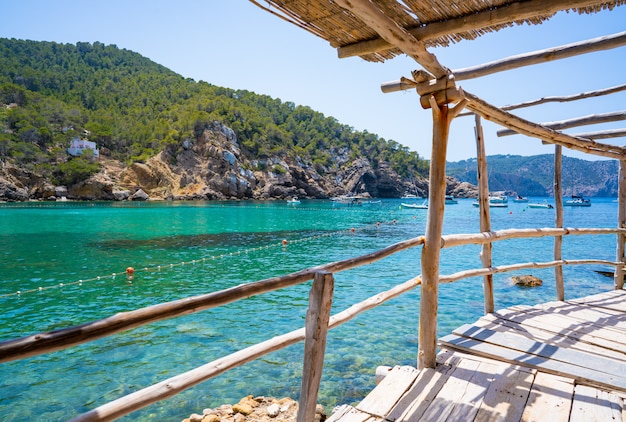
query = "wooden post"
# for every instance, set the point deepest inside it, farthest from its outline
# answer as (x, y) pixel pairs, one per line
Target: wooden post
(621, 216)
(558, 240)
(427, 347)
(485, 217)
(316, 328)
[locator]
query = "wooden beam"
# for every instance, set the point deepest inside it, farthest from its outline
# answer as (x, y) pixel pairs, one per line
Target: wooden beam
(388, 29)
(172, 386)
(592, 119)
(603, 134)
(567, 98)
(527, 59)
(542, 56)
(620, 250)
(558, 221)
(51, 341)
(485, 215)
(427, 342)
(502, 15)
(316, 329)
(534, 130)
(553, 99)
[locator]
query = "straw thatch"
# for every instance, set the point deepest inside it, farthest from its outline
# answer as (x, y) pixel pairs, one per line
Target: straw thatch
(434, 22)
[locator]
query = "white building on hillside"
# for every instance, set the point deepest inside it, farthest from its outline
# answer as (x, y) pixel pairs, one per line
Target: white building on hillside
(77, 146)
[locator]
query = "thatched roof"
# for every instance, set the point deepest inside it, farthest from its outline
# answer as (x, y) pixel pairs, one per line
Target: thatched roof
(378, 30)
(434, 22)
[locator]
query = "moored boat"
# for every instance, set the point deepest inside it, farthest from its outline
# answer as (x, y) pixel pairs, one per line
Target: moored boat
(422, 206)
(543, 204)
(577, 201)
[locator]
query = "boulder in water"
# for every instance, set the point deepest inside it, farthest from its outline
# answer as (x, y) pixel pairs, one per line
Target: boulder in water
(526, 281)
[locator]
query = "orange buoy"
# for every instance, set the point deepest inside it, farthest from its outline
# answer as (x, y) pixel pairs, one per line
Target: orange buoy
(130, 271)
(352, 229)
(284, 242)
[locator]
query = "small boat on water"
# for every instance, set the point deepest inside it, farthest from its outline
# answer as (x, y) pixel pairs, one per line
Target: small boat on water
(543, 204)
(410, 196)
(492, 204)
(495, 201)
(349, 200)
(498, 199)
(577, 201)
(293, 201)
(422, 206)
(519, 198)
(451, 200)
(373, 202)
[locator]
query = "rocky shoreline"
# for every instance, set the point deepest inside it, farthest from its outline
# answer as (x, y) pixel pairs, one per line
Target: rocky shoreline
(255, 409)
(213, 167)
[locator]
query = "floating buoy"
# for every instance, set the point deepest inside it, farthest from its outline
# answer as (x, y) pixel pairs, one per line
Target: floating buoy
(284, 242)
(130, 271)
(352, 229)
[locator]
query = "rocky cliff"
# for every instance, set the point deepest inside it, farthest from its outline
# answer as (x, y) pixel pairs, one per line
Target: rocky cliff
(213, 167)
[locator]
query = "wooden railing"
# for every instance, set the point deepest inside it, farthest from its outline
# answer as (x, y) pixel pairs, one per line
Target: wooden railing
(318, 319)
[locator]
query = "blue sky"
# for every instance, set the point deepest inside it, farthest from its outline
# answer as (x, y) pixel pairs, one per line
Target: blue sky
(235, 44)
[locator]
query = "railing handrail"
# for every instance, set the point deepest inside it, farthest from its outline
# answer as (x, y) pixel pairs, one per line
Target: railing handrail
(40, 343)
(56, 340)
(51, 341)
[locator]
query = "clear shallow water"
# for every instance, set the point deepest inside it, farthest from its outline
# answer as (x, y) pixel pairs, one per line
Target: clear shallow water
(190, 248)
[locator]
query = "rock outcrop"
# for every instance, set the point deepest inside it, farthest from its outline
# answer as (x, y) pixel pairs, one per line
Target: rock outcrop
(212, 166)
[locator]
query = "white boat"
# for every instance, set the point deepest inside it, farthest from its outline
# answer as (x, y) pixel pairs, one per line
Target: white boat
(498, 199)
(410, 196)
(451, 200)
(422, 206)
(544, 204)
(348, 200)
(293, 200)
(519, 198)
(492, 204)
(495, 201)
(577, 201)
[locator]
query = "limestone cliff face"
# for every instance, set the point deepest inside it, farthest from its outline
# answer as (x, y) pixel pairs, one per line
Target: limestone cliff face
(213, 167)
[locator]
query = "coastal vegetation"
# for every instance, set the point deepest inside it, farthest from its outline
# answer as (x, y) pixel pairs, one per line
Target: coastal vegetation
(134, 108)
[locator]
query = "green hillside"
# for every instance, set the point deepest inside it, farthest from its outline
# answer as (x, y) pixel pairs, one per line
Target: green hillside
(133, 108)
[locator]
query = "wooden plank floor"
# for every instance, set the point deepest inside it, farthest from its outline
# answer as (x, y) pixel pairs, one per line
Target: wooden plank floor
(558, 361)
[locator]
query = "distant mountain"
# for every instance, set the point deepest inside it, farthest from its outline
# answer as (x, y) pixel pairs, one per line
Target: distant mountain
(534, 175)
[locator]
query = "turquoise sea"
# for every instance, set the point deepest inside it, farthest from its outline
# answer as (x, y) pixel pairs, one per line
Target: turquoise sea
(67, 261)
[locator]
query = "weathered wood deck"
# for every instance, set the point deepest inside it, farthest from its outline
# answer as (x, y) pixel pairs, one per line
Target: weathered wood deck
(559, 361)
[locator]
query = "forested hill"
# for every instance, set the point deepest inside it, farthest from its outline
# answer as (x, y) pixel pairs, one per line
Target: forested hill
(133, 109)
(534, 175)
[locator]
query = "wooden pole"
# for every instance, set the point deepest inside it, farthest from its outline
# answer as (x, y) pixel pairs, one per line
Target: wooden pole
(492, 16)
(494, 114)
(427, 347)
(592, 119)
(621, 216)
(542, 56)
(316, 329)
(558, 240)
(485, 216)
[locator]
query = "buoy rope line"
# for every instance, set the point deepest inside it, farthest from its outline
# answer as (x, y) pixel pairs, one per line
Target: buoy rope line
(130, 271)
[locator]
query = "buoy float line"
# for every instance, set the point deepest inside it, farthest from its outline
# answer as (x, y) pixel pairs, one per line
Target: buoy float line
(130, 272)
